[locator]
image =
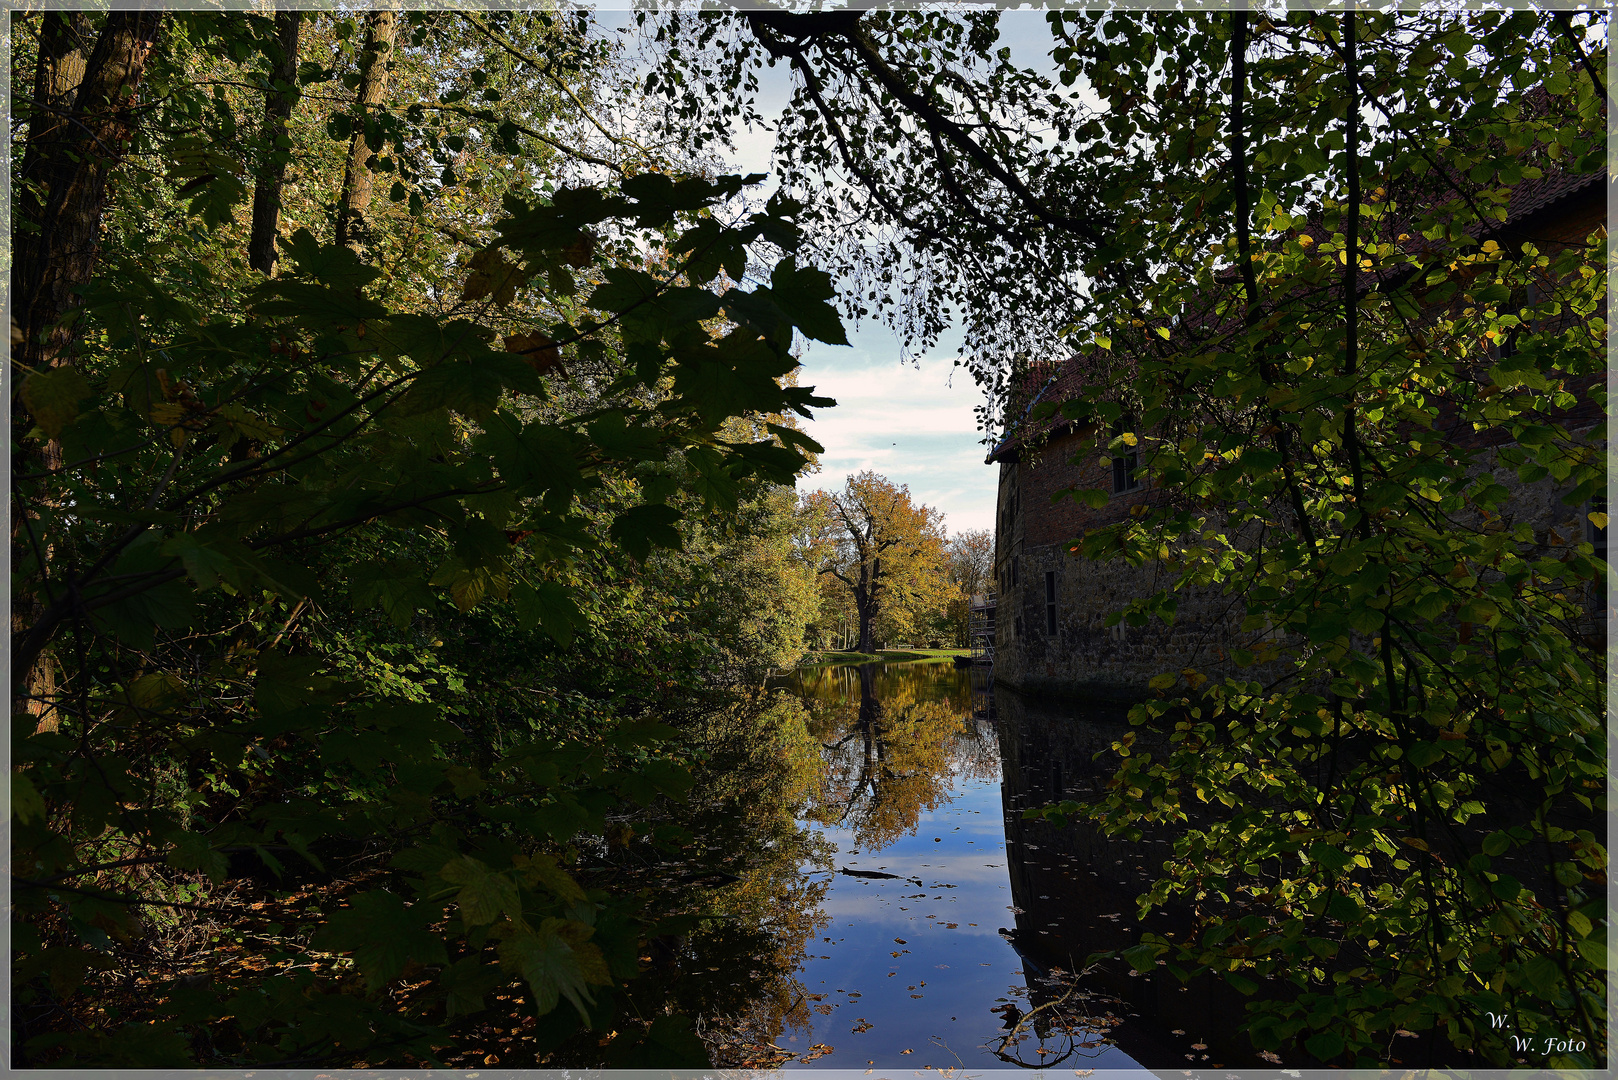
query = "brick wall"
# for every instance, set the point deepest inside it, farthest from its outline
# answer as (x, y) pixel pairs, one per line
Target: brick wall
(1086, 658)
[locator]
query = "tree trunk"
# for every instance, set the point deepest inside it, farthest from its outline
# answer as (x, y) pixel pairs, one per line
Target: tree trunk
(64, 45)
(381, 27)
(76, 135)
(277, 111)
(64, 181)
(865, 601)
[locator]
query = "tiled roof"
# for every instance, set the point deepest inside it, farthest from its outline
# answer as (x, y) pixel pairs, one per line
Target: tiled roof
(1531, 196)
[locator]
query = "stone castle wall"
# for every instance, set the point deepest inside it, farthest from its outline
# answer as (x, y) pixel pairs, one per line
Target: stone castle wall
(1084, 658)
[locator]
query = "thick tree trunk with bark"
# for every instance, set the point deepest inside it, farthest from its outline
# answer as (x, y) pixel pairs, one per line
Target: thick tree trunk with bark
(865, 601)
(64, 46)
(78, 131)
(63, 186)
(277, 111)
(376, 62)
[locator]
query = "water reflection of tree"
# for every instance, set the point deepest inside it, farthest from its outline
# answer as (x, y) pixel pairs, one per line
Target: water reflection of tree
(1063, 1023)
(893, 738)
(721, 871)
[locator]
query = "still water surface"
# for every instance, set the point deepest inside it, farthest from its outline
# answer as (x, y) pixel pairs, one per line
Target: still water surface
(926, 959)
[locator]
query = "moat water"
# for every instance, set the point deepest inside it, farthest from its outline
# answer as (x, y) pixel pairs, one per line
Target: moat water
(952, 934)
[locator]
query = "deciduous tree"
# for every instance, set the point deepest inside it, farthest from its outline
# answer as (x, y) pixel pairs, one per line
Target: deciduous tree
(879, 546)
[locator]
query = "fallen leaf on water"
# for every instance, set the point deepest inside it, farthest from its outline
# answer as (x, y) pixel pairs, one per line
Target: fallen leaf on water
(907, 1051)
(901, 941)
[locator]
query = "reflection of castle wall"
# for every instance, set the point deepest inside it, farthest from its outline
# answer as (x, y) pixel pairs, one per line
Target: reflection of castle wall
(1077, 888)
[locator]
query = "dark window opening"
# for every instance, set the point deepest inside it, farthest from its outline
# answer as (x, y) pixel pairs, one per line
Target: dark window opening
(1125, 460)
(1050, 602)
(1014, 571)
(1017, 627)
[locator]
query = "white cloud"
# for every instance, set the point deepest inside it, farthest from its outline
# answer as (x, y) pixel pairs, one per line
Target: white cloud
(914, 425)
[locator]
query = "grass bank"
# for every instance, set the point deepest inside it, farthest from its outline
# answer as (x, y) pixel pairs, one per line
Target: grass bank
(819, 659)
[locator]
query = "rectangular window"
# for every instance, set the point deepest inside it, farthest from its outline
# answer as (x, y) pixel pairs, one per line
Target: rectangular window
(1125, 460)
(1050, 602)
(1014, 571)
(1017, 627)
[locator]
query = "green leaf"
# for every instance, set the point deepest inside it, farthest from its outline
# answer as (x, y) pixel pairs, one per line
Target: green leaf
(550, 606)
(1241, 983)
(1324, 1046)
(399, 589)
(464, 780)
(427, 859)
(484, 893)
(640, 527)
(469, 389)
(1423, 754)
(26, 802)
(670, 1043)
(383, 935)
(333, 264)
(53, 397)
(1543, 972)
(624, 289)
(193, 851)
(285, 682)
(802, 296)
(465, 983)
(1333, 859)
(1143, 957)
(545, 870)
(1593, 951)
(317, 305)
(205, 563)
(490, 273)
(557, 962)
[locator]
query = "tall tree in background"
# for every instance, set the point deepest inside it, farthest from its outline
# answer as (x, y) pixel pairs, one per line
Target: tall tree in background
(76, 137)
(883, 549)
(279, 97)
(375, 70)
(971, 565)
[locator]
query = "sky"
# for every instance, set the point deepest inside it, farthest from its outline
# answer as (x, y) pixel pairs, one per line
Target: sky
(913, 423)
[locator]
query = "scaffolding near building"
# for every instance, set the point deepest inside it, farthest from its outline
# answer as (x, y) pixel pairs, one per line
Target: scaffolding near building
(980, 627)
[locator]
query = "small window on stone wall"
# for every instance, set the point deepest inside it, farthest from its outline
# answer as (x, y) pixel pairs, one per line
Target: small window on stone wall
(1016, 627)
(1125, 461)
(1014, 574)
(1050, 602)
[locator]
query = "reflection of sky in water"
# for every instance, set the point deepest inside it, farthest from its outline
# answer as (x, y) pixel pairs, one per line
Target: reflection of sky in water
(953, 967)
